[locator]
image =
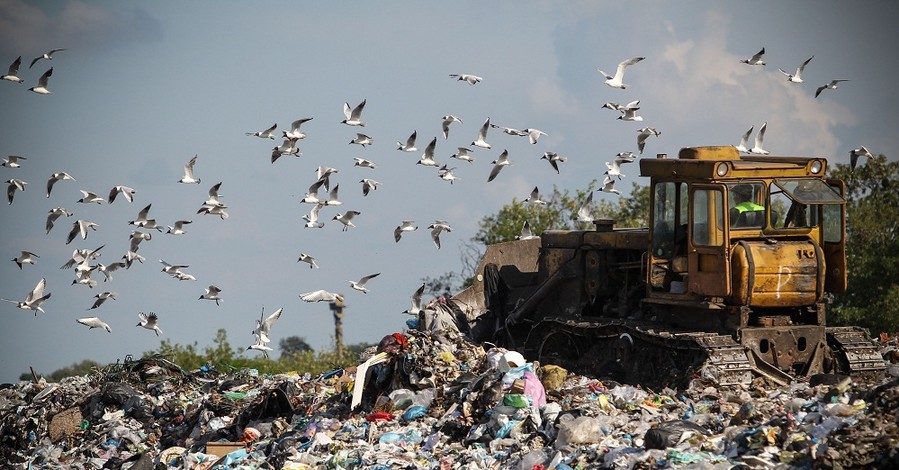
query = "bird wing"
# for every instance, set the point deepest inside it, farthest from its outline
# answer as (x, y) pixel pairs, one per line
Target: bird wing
(619, 72)
(366, 279)
(357, 111)
(760, 136)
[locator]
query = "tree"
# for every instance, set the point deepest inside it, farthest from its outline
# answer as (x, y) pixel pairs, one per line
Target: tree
(871, 299)
(293, 345)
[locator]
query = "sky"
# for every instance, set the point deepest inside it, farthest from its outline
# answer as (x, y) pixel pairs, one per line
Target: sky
(143, 87)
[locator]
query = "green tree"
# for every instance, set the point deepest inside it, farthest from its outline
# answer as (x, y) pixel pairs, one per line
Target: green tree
(293, 345)
(872, 246)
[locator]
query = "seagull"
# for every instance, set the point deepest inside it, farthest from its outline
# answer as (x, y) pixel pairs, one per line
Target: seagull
(93, 322)
(759, 137)
(149, 322)
(143, 221)
(131, 256)
(608, 186)
(630, 114)
(498, 165)
(332, 197)
(125, 191)
(644, 134)
(34, 299)
(360, 284)
(510, 130)
(213, 199)
(264, 325)
(409, 146)
(437, 227)
(107, 270)
(88, 197)
(526, 232)
(462, 153)
(79, 227)
(188, 177)
(172, 269)
(447, 120)
(416, 301)
(259, 345)
(481, 141)
(533, 134)
(616, 81)
(12, 161)
(46, 56)
(346, 219)
(218, 210)
(621, 107)
(266, 134)
(363, 163)
(212, 293)
(745, 141)
(13, 74)
(368, 185)
(854, 155)
(82, 256)
(427, 159)
(446, 174)
(755, 59)
(796, 77)
(584, 214)
(41, 87)
(614, 167)
(311, 196)
(307, 259)
(534, 198)
(288, 147)
(54, 214)
(554, 159)
(405, 226)
(312, 218)
(294, 132)
(26, 257)
(14, 184)
(178, 228)
(321, 296)
(471, 79)
(103, 297)
(354, 117)
(361, 139)
(60, 175)
(833, 85)
(324, 172)
(136, 238)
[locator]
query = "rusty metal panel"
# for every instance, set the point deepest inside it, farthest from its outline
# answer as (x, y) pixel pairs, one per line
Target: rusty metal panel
(783, 274)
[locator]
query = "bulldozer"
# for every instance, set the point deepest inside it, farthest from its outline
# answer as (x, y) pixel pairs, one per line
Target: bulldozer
(731, 280)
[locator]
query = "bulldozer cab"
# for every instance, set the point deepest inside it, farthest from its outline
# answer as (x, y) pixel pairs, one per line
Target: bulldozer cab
(754, 231)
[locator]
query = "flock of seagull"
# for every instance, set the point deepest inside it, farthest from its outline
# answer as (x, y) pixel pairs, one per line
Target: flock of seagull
(85, 264)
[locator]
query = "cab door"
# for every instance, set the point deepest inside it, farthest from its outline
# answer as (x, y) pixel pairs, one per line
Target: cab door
(708, 256)
(834, 235)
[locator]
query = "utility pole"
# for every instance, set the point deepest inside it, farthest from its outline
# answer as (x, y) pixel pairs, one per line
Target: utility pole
(337, 307)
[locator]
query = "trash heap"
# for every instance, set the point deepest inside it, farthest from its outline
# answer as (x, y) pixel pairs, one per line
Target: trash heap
(433, 400)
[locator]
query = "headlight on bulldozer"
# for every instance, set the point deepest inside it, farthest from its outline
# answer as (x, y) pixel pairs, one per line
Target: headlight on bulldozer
(815, 166)
(721, 169)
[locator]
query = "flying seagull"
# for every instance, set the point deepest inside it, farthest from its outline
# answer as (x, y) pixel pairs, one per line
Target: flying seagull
(103, 297)
(94, 322)
(362, 139)
(188, 177)
(759, 138)
(360, 284)
(616, 81)
(533, 134)
(46, 56)
(437, 227)
(756, 59)
(481, 141)
(13, 74)
(368, 185)
(534, 198)
(346, 219)
(149, 322)
(307, 259)
(744, 141)
(41, 87)
(259, 345)
(644, 134)
(427, 158)
(212, 293)
(294, 132)
(354, 116)
(312, 217)
(526, 232)
(447, 120)
(178, 228)
(409, 146)
(88, 197)
(462, 153)
(15, 184)
(584, 214)
(416, 301)
(796, 77)
(26, 257)
(471, 79)
(405, 226)
(608, 186)
(125, 191)
(321, 296)
(12, 161)
(554, 159)
(34, 299)
(60, 175)
(854, 155)
(54, 214)
(833, 85)
(498, 165)
(264, 325)
(79, 227)
(265, 134)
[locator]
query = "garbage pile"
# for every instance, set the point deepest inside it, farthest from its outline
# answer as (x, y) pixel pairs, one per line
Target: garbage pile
(433, 400)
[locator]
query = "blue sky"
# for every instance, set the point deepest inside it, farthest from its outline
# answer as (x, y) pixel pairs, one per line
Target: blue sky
(143, 87)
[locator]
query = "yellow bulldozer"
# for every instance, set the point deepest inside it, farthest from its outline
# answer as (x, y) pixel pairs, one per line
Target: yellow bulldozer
(733, 277)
